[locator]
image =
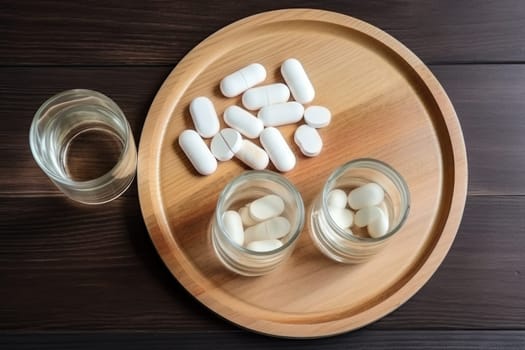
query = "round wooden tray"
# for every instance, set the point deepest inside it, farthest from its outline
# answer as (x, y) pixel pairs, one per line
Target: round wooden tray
(386, 104)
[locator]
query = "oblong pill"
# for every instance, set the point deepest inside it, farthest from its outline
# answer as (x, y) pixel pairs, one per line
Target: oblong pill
(273, 228)
(261, 96)
(379, 226)
(341, 216)
(308, 140)
(243, 121)
(197, 152)
(266, 207)
(233, 225)
(243, 79)
(264, 246)
(225, 144)
(281, 113)
(366, 215)
(278, 150)
(204, 117)
(297, 80)
(337, 198)
(317, 116)
(366, 196)
(252, 155)
(247, 220)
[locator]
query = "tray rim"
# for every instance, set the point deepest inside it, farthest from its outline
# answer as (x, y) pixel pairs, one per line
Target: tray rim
(196, 286)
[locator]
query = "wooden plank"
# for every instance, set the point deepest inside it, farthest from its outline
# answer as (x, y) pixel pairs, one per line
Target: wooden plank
(161, 32)
(364, 339)
(482, 279)
(487, 99)
(72, 267)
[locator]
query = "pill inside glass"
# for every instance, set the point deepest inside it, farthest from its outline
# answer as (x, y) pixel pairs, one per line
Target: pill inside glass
(361, 206)
(258, 219)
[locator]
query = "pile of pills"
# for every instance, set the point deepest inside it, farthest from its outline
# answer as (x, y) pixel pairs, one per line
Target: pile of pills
(370, 210)
(258, 226)
(274, 110)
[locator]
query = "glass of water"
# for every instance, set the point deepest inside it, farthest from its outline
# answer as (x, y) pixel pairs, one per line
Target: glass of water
(83, 142)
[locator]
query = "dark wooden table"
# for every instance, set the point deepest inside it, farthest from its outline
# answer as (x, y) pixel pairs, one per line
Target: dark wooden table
(74, 276)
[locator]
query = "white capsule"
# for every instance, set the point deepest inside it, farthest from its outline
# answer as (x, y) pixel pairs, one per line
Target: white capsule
(247, 220)
(297, 80)
(233, 225)
(308, 140)
(264, 246)
(378, 227)
(261, 96)
(278, 150)
(281, 113)
(342, 216)
(266, 207)
(252, 155)
(243, 79)
(317, 116)
(197, 152)
(337, 198)
(366, 215)
(204, 117)
(366, 196)
(273, 228)
(225, 144)
(243, 121)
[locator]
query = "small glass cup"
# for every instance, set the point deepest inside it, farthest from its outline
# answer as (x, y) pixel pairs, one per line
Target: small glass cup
(243, 190)
(347, 246)
(74, 115)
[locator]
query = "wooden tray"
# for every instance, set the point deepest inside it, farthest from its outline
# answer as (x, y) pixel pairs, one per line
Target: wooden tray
(386, 104)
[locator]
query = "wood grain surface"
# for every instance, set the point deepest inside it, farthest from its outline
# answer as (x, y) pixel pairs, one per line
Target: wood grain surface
(385, 105)
(366, 339)
(162, 32)
(88, 277)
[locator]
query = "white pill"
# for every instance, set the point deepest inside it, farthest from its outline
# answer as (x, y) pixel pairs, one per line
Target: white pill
(384, 209)
(247, 220)
(378, 227)
(273, 228)
(204, 117)
(342, 216)
(366, 215)
(278, 150)
(233, 225)
(337, 198)
(225, 144)
(261, 96)
(308, 140)
(281, 113)
(297, 80)
(266, 207)
(243, 79)
(197, 152)
(317, 116)
(264, 246)
(252, 155)
(243, 121)
(366, 196)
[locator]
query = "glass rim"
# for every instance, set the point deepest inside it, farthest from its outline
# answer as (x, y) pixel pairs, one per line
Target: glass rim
(79, 185)
(390, 172)
(263, 175)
